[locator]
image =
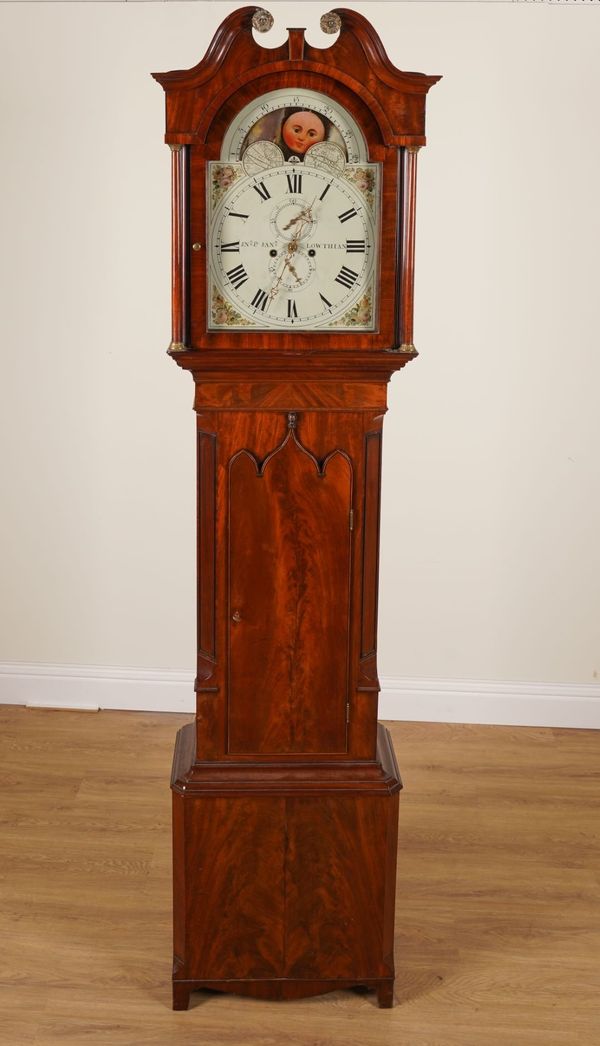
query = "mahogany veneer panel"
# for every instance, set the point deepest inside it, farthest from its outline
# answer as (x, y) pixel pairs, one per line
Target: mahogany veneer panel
(291, 395)
(288, 888)
(289, 579)
(335, 900)
(289, 601)
(234, 861)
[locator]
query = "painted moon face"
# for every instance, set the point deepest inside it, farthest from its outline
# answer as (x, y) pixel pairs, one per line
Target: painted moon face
(303, 129)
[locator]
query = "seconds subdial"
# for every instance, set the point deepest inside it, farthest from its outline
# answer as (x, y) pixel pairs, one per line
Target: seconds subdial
(291, 267)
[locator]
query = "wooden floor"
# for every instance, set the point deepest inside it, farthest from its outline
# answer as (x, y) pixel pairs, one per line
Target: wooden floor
(498, 913)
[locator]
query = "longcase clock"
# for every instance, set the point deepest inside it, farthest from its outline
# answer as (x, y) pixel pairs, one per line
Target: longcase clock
(293, 202)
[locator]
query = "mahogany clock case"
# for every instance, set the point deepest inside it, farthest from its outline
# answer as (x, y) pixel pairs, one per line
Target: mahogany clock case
(285, 789)
(357, 76)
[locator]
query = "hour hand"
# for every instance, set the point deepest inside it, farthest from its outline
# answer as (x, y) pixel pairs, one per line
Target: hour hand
(294, 221)
(304, 216)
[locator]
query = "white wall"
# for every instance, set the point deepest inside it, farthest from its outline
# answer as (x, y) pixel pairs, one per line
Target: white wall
(491, 514)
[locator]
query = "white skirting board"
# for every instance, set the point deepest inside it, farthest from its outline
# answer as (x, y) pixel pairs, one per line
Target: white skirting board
(90, 687)
(575, 705)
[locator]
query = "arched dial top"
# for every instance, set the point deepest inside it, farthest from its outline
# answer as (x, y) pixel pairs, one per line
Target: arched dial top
(264, 119)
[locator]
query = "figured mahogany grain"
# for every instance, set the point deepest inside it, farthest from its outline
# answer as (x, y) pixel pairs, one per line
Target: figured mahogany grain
(233, 851)
(289, 602)
(289, 523)
(332, 394)
(336, 887)
(287, 891)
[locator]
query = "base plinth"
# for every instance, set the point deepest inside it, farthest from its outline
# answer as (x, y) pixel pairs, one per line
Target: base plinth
(284, 889)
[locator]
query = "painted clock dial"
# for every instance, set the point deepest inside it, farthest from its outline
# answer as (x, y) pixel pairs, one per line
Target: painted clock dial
(294, 247)
(293, 219)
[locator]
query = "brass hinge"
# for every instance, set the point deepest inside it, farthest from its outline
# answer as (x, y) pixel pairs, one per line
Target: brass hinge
(351, 519)
(347, 711)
